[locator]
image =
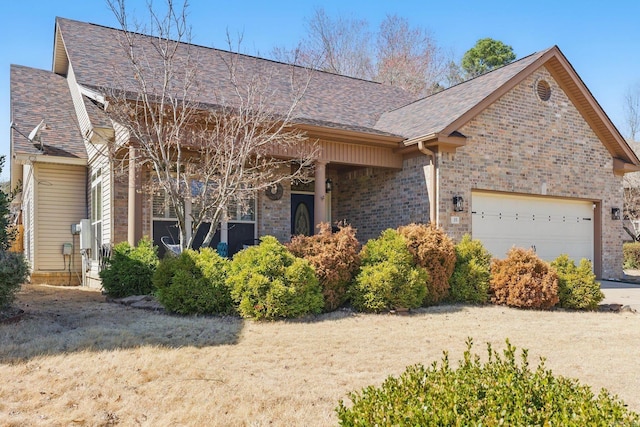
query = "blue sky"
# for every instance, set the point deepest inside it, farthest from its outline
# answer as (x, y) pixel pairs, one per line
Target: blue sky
(600, 39)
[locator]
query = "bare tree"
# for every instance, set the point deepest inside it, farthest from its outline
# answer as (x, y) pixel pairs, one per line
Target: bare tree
(631, 203)
(631, 107)
(409, 57)
(397, 54)
(341, 46)
(631, 219)
(205, 155)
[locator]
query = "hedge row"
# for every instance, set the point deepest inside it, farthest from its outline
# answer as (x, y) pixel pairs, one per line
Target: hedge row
(416, 265)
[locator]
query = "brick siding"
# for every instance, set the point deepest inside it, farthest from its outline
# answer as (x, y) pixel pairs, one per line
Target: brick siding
(524, 145)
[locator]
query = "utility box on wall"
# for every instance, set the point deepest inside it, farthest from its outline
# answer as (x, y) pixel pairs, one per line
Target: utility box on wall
(84, 230)
(67, 248)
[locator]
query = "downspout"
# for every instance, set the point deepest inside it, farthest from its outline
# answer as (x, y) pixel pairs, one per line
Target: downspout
(433, 199)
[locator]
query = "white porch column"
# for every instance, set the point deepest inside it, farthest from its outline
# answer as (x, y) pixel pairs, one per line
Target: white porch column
(134, 204)
(224, 228)
(188, 221)
(320, 196)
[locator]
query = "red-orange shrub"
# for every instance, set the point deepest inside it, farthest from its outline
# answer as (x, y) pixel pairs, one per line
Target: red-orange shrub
(433, 250)
(335, 257)
(523, 280)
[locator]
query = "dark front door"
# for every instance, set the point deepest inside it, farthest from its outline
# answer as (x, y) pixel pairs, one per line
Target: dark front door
(302, 214)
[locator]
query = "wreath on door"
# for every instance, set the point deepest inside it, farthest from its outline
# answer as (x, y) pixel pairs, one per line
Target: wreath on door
(275, 192)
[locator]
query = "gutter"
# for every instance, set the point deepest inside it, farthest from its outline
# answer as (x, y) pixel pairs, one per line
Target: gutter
(23, 159)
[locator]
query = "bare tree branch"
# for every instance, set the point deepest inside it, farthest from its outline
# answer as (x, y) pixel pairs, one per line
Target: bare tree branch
(205, 156)
(397, 54)
(631, 107)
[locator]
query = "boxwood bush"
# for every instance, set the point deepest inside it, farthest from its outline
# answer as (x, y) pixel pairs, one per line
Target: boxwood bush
(335, 258)
(388, 278)
(500, 391)
(577, 286)
(13, 273)
(434, 251)
(472, 272)
(269, 282)
(194, 283)
(523, 280)
(631, 255)
(129, 270)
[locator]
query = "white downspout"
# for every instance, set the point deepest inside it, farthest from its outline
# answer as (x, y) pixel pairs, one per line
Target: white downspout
(432, 184)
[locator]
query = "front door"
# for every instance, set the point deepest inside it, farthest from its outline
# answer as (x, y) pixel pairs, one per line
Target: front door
(302, 214)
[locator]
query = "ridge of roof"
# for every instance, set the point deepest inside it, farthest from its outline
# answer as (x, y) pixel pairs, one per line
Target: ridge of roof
(226, 51)
(442, 108)
(474, 78)
(97, 61)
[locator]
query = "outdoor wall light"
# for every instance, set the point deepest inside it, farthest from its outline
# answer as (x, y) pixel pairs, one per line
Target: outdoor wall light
(457, 203)
(328, 185)
(615, 213)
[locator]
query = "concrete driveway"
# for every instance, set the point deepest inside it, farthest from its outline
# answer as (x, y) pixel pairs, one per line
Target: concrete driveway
(621, 293)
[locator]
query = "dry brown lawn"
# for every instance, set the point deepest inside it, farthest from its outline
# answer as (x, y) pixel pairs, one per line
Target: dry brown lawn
(75, 359)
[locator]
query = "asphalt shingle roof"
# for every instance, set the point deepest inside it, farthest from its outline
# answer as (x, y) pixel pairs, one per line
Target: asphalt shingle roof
(37, 95)
(434, 113)
(98, 62)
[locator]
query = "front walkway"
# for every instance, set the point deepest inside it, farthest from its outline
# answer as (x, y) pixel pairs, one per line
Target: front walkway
(624, 293)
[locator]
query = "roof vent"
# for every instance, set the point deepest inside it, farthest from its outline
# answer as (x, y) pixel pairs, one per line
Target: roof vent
(543, 89)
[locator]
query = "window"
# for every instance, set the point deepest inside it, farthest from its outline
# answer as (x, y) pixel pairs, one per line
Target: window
(96, 213)
(242, 212)
(162, 208)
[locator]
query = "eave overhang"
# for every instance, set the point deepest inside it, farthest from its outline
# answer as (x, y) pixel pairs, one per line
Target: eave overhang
(620, 167)
(350, 136)
(435, 142)
(23, 159)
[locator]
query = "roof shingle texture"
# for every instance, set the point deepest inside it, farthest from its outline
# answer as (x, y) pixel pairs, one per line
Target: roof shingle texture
(434, 113)
(98, 61)
(37, 95)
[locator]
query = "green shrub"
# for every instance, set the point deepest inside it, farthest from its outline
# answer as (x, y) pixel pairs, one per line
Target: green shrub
(335, 258)
(386, 286)
(434, 251)
(194, 283)
(13, 273)
(268, 282)
(388, 278)
(523, 280)
(500, 391)
(631, 255)
(129, 270)
(472, 272)
(577, 286)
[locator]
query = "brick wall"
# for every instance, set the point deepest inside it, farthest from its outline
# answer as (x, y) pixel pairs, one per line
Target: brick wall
(525, 145)
(274, 216)
(373, 199)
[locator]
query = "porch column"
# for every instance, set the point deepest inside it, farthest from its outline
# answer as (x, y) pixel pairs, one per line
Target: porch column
(134, 204)
(319, 197)
(188, 221)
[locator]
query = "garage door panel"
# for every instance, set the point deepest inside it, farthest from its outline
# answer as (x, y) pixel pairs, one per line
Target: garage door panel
(551, 226)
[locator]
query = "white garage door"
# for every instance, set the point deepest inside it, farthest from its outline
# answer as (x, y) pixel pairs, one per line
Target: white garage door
(550, 226)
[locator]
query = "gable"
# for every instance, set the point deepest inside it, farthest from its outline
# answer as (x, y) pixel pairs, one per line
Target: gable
(472, 97)
(521, 129)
